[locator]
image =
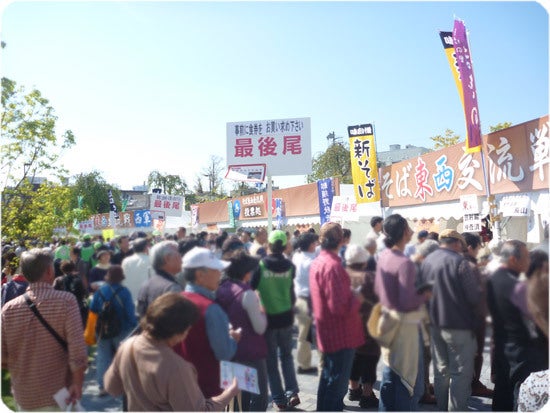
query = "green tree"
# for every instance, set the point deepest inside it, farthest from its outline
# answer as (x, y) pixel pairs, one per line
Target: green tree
(334, 162)
(213, 174)
(499, 126)
(170, 184)
(449, 139)
(94, 191)
(29, 148)
(51, 210)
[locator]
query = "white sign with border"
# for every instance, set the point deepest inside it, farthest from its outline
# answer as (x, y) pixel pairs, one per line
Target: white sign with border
(469, 204)
(246, 173)
(515, 205)
(283, 145)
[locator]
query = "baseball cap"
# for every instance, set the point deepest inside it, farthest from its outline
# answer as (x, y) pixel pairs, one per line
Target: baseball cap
(277, 235)
(355, 254)
(451, 233)
(202, 257)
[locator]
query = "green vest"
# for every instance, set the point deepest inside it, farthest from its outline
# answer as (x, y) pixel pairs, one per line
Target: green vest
(62, 252)
(86, 253)
(274, 289)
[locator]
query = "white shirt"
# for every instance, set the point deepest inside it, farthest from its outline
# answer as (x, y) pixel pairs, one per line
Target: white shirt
(251, 303)
(302, 261)
(137, 268)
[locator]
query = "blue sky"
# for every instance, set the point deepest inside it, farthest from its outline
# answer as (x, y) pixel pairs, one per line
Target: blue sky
(151, 85)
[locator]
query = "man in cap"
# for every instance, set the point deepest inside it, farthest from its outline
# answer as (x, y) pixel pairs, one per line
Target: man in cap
(212, 338)
(454, 317)
(274, 281)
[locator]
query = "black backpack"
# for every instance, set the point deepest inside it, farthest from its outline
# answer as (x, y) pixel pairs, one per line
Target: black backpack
(109, 324)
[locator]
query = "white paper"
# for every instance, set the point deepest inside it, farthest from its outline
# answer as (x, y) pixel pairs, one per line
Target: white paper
(60, 397)
(247, 377)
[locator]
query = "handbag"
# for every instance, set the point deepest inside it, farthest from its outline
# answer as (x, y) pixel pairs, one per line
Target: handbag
(89, 331)
(33, 308)
(383, 324)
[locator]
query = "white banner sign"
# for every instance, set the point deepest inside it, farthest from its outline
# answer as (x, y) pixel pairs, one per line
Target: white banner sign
(471, 223)
(284, 145)
(343, 209)
(469, 204)
(171, 205)
(515, 205)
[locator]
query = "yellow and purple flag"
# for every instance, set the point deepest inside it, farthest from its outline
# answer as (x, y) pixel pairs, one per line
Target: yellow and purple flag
(364, 169)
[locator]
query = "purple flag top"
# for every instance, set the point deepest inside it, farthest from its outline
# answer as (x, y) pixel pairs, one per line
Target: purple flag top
(466, 70)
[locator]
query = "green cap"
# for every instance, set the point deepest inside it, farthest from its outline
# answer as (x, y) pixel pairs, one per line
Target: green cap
(277, 235)
(86, 237)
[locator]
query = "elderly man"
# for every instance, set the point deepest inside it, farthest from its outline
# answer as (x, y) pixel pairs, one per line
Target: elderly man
(166, 262)
(516, 354)
(454, 317)
(40, 364)
(211, 339)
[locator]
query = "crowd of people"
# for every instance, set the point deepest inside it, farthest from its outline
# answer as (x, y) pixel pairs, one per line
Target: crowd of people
(180, 304)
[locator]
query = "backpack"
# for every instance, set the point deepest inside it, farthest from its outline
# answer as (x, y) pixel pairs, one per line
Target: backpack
(108, 324)
(68, 283)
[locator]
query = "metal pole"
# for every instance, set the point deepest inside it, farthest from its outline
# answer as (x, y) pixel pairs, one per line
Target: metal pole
(269, 201)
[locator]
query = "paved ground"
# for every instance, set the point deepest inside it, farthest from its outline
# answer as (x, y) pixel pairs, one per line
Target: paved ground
(308, 390)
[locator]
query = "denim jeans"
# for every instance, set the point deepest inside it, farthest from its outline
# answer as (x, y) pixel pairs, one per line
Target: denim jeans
(394, 396)
(333, 382)
(280, 340)
(453, 354)
(106, 349)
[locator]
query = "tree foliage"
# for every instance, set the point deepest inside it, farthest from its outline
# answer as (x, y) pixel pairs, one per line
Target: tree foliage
(213, 174)
(334, 162)
(448, 139)
(499, 126)
(30, 145)
(94, 191)
(170, 184)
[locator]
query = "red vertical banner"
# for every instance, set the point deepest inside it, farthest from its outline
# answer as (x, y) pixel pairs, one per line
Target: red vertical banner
(471, 111)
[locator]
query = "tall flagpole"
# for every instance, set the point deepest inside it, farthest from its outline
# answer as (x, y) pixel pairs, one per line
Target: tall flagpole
(378, 169)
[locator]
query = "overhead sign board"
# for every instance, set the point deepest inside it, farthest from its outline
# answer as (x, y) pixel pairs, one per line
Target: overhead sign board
(283, 145)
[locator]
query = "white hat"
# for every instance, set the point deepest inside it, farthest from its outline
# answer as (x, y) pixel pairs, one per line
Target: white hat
(355, 254)
(203, 257)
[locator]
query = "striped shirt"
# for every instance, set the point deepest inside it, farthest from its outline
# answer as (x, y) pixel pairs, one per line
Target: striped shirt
(38, 365)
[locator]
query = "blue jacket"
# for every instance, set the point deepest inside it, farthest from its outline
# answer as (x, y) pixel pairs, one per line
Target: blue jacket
(126, 312)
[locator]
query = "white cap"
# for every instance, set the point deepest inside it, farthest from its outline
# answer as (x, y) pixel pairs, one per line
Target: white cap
(203, 257)
(356, 254)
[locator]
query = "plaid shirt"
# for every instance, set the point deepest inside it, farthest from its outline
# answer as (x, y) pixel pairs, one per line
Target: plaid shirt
(335, 308)
(38, 365)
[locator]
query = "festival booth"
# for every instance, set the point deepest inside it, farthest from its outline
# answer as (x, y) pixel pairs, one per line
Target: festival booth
(296, 207)
(449, 188)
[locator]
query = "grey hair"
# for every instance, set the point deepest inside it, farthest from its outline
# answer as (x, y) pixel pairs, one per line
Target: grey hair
(427, 247)
(34, 263)
(160, 251)
(370, 243)
(511, 248)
